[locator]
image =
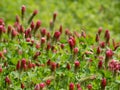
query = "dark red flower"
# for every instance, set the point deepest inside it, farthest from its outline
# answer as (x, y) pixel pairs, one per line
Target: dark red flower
(68, 66)
(71, 86)
(37, 87)
(76, 50)
(38, 24)
(43, 40)
(22, 86)
(42, 85)
(98, 50)
(32, 25)
(7, 80)
(103, 83)
(77, 64)
(97, 39)
(48, 62)
(35, 12)
(60, 29)
(100, 64)
(107, 36)
(109, 53)
(53, 66)
(62, 46)
(102, 44)
(54, 16)
(89, 86)
(57, 35)
(43, 32)
(48, 82)
(23, 8)
(18, 66)
(99, 30)
(0, 68)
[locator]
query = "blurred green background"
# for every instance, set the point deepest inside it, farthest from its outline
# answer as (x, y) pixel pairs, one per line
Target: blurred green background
(88, 15)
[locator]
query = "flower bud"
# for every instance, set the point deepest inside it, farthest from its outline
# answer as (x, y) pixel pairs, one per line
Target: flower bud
(62, 46)
(14, 33)
(103, 83)
(98, 50)
(89, 86)
(53, 66)
(71, 42)
(97, 39)
(76, 50)
(1, 54)
(1, 29)
(22, 86)
(48, 35)
(71, 86)
(43, 32)
(83, 34)
(78, 85)
(1, 21)
(43, 40)
(17, 19)
(37, 87)
(107, 36)
(109, 54)
(23, 8)
(9, 29)
(60, 29)
(77, 64)
(32, 16)
(18, 65)
(100, 64)
(57, 35)
(0, 68)
(102, 44)
(30, 65)
(99, 30)
(7, 80)
(49, 62)
(35, 12)
(68, 66)
(42, 85)
(38, 24)
(54, 16)
(32, 25)
(48, 46)
(48, 82)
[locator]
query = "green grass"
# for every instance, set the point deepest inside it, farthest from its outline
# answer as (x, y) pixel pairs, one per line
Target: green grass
(86, 15)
